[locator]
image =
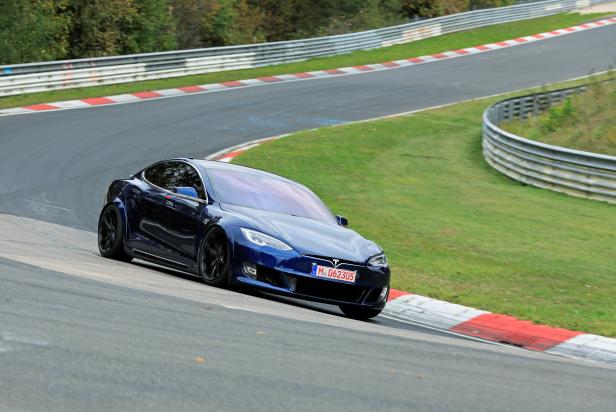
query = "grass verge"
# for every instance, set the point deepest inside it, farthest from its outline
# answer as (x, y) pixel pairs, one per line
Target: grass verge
(585, 122)
(454, 228)
(423, 47)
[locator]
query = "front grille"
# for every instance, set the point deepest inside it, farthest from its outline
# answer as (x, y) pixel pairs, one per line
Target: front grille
(329, 290)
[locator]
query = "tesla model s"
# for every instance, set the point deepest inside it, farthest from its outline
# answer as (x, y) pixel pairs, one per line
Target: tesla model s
(231, 224)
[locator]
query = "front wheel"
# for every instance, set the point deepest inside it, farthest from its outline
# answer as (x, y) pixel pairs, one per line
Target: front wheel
(111, 234)
(358, 312)
(214, 258)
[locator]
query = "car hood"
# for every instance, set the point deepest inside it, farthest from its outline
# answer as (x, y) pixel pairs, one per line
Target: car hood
(308, 236)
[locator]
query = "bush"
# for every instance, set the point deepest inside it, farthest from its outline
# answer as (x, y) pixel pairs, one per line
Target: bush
(38, 30)
(558, 116)
(33, 30)
(487, 4)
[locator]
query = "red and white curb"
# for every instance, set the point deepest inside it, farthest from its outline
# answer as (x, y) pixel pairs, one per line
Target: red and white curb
(226, 155)
(505, 329)
(215, 87)
(477, 323)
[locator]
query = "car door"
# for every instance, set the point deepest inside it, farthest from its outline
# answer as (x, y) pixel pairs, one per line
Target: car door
(149, 200)
(181, 221)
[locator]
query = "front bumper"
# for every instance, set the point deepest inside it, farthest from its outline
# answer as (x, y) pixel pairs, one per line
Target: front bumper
(288, 273)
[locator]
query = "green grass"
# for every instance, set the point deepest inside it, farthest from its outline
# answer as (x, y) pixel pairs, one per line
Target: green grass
(428, 46)
(585, 122)
(454, 228)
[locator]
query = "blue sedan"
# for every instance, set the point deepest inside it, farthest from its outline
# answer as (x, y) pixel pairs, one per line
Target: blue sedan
(231, 224)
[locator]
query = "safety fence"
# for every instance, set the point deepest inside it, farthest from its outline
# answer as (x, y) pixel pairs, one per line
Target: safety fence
(569, 171)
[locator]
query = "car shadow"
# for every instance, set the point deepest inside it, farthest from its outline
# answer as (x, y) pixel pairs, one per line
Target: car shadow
(317, 307)
(314, 306)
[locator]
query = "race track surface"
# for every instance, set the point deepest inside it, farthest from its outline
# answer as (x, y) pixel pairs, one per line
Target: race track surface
(78, 332)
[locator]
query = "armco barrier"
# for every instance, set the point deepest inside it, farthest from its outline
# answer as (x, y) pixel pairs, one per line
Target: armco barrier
(569, 171)
(35, 77)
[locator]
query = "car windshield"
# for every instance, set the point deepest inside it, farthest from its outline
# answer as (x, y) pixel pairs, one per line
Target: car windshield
(268, 193)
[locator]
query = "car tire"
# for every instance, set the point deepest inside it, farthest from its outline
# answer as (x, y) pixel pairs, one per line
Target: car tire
(111, 234)
(214, 258)
(359, 313)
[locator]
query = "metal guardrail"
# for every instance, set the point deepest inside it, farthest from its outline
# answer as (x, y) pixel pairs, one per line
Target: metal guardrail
(569, 171)
(35, 77)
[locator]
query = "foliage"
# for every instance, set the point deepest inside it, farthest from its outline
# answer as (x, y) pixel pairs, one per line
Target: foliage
(100, 27)
(486, 4)
(423, 8)
(34, 30)
(585, 122)
(558, 116)
(435, 8)
(153, 28)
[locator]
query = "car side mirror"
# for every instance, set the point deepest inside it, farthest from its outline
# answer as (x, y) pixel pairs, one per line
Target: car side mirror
(186, 191)
(342, 221)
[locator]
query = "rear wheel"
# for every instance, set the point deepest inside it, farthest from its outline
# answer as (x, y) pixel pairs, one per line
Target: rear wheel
(360, 313)
(111, 234)
(214, 258)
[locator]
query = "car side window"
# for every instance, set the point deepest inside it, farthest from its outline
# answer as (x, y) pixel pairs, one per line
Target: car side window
(186, 175)
(170, 175)
(161, 174)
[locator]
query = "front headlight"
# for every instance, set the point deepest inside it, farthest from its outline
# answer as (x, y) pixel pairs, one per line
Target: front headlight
(378, 260)
(262, 239)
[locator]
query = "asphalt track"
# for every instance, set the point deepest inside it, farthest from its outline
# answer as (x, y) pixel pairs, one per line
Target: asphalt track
(78, 332)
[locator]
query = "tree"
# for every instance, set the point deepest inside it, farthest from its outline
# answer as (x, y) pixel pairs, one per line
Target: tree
(152, 28)
(486, 4)
(357, 15)
(33, 30)
(293, 19)
(248, 24)
(454, 6)
(101, 27)
(422, 8)
(201, 23)
(205, 23)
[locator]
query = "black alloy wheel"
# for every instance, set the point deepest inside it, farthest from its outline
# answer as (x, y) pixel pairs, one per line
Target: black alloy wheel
(214, 258)
(110, 234)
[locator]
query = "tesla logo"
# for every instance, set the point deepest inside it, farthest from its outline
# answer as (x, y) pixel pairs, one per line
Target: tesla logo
(336, 261)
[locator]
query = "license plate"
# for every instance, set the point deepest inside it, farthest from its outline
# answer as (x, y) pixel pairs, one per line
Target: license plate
(334, 273)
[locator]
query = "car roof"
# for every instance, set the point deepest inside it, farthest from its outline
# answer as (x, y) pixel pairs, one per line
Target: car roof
(216, 165)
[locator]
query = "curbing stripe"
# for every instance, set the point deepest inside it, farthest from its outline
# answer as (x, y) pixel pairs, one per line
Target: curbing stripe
(40, 107)
(341, 71)
(303, 75)
(431, 312)
(232, 84)
(191, 89)
(587, 346)
(507, 329)
(146, 95)
(95, 101)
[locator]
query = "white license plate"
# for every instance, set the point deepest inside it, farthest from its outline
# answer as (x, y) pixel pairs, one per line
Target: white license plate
(334, 273)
